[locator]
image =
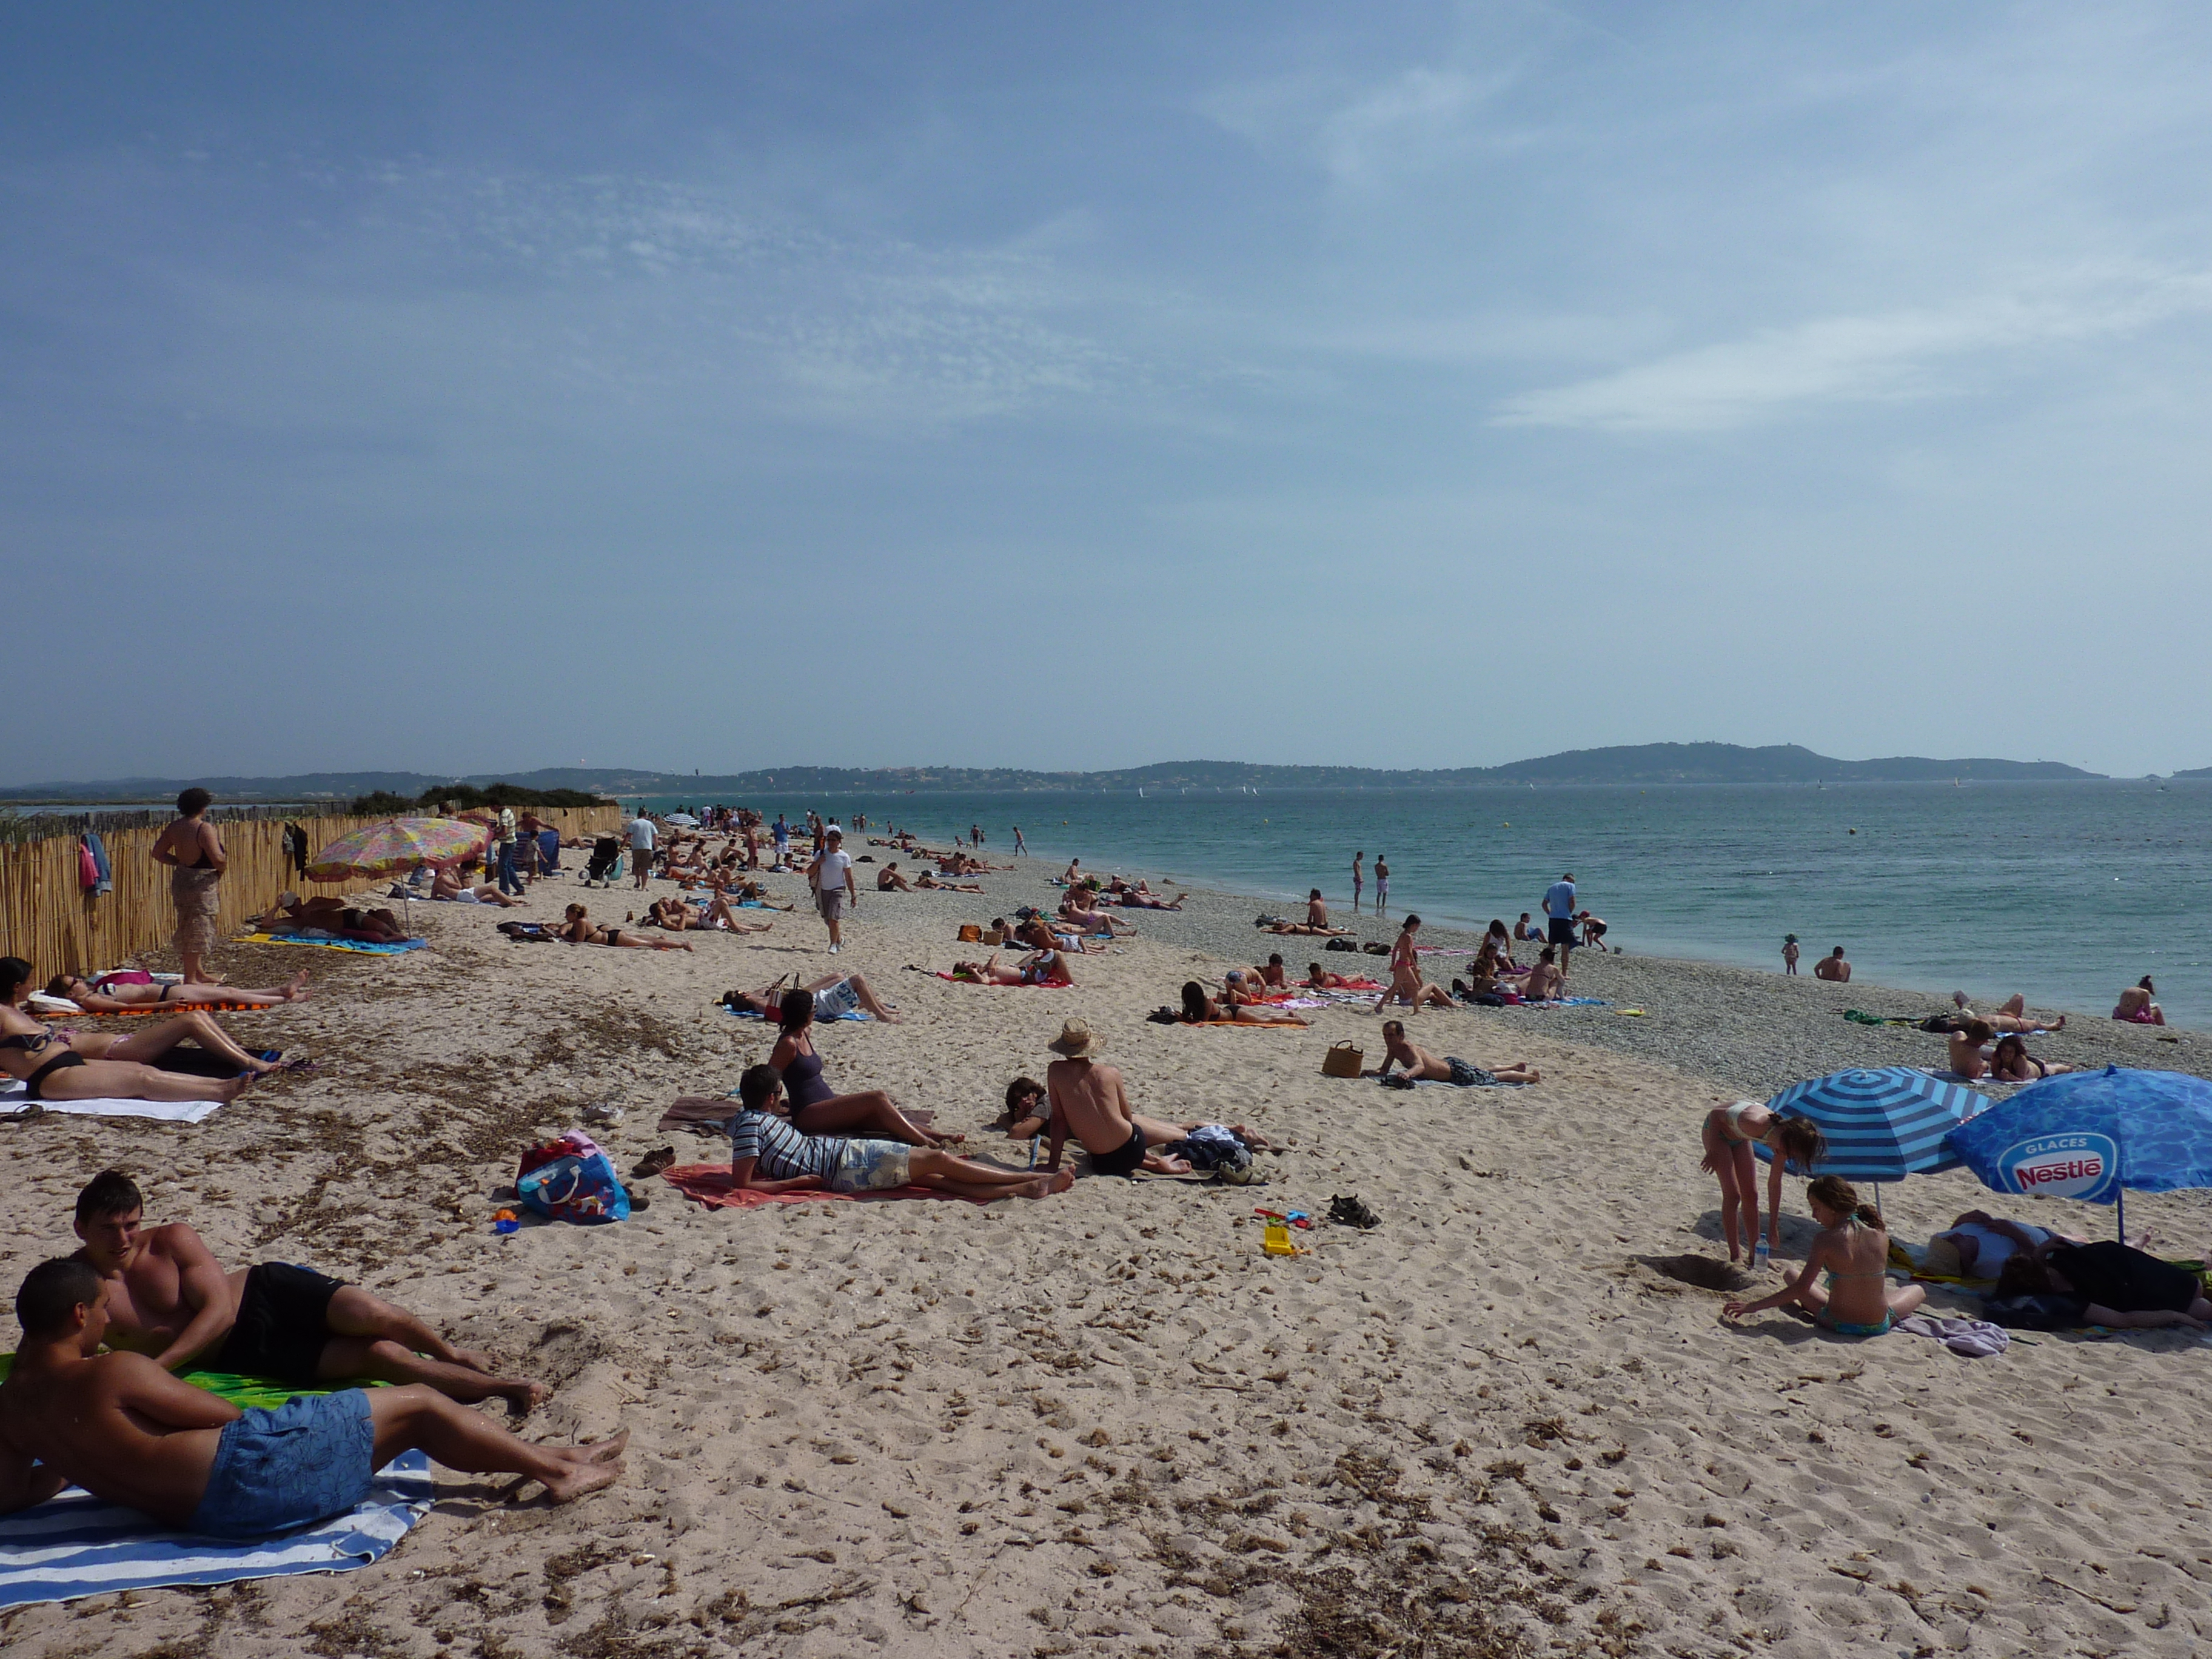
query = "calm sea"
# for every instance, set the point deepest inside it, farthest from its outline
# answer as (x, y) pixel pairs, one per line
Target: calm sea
(2067, 892)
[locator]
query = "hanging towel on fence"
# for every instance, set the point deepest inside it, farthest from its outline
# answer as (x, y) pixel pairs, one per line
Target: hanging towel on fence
(107, 882)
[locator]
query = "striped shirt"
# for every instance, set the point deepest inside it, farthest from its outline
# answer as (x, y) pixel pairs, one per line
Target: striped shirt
(783, 1152)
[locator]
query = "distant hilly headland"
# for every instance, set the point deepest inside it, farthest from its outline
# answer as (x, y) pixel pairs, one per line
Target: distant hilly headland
(1635, 763)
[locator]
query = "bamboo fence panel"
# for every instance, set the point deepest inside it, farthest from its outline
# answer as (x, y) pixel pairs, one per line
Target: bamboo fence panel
(50, 919)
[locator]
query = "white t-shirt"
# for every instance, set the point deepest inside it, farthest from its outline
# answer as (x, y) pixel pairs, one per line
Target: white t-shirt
(831, 878)
(640, 834)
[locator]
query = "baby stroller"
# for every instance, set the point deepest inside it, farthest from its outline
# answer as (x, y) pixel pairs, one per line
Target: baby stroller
(605, 865)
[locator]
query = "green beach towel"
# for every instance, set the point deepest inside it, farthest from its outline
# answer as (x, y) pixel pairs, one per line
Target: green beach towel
(243, 1392)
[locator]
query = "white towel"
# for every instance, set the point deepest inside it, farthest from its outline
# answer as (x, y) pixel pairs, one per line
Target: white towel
(15, 1100)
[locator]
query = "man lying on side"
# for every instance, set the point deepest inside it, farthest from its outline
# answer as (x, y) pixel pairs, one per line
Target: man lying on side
(171, 1300)
(129, 1433)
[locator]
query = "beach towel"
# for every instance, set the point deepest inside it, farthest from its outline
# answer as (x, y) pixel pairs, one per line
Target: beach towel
(1974, 1338)
(76, 1545)
(61, 1005)
(1047, 984)
(709, 1183)
(14, 1102)
(104, 874)
(332, 942)
(850, 1013)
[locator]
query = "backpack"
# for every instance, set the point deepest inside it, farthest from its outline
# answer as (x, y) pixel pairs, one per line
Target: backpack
(570, 1179)
(1340, 944)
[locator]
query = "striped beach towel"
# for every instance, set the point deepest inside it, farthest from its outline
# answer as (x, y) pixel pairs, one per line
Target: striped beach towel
(77, 1545)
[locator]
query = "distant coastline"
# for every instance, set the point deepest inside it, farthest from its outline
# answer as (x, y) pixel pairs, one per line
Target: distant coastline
(1643, 764)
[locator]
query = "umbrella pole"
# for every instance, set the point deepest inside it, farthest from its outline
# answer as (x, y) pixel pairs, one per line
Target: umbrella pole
(2120, 1211)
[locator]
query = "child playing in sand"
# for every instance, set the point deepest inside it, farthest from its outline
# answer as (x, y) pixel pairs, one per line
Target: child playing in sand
(1853, 1250)
(1730, 1133)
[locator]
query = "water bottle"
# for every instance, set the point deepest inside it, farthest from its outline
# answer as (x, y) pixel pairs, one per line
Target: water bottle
(1761, 1254)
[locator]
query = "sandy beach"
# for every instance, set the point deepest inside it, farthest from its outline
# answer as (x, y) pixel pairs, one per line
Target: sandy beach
(1105, 1422)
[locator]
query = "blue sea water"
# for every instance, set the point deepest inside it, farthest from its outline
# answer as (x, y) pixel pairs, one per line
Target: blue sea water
(2066, 891)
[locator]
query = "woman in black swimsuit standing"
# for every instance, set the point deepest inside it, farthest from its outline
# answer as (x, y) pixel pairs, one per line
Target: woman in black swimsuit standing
(83, 1066)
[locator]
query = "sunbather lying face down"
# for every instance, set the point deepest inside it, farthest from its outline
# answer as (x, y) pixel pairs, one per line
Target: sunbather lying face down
(330, 915)
(67, 1065)
(131, 1434)
(1038, 968)
(1200, 1009)
(1419, 1062)
(105, 995)
(578, 928)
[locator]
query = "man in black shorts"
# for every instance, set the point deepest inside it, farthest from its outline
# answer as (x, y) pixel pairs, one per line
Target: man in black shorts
(169, 1299)
(1560, 908)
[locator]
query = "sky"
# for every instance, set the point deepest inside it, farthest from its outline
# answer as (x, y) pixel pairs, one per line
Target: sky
(490, 387)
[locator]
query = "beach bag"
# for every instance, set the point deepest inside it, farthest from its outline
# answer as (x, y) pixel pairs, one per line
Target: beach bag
(1340, 944)
(1376, 948)
(570, 1179)
(992, 936)
(1342, 1060)
(971, 933)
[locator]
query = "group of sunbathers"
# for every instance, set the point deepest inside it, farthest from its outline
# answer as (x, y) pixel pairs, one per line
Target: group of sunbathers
(123, 1425)
(71, 1065)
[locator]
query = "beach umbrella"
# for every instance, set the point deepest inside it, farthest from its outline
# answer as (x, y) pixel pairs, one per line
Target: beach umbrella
(1880, 1124)
(2091, 1135)
(394, 844)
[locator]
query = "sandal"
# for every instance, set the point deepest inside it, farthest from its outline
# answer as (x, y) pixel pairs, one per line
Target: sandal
(1351, 1212)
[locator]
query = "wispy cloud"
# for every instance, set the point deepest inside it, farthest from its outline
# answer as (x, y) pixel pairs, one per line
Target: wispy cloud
(1361, 135)
(1885, 356)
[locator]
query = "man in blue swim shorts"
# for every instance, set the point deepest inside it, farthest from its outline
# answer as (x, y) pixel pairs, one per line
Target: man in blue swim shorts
(128, 1432)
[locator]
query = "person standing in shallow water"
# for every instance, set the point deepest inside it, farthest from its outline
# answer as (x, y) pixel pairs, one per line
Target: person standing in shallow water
(1382, 885)
(193, 852)
(1359, 880)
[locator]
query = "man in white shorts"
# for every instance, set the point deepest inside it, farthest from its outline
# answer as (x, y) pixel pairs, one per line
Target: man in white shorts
(831, 877)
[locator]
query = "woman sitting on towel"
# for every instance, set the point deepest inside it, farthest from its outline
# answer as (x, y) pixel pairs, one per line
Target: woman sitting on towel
(577, 927)
(1853, 1250)
(2010, 1062)
(1200, 1009)
(2136, 1006)
(1038, 968)
(112, 994)
(1730, 1133)
(819, 1109)
(83, 1066)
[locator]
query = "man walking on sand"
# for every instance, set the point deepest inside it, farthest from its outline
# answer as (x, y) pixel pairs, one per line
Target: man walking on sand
(1090, 1101)
(1560, 908)
(831, 877)
(641, 838)
(1021, 846)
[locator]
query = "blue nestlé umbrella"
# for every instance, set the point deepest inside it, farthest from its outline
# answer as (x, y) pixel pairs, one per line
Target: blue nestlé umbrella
(2091, 1136)
(1883, 1124)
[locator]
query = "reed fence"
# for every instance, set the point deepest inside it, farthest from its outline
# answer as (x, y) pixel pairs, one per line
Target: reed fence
(49, 918)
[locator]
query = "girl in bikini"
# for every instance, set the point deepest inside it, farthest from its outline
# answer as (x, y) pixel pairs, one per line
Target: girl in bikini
(1852, 1248)
(1730, 1133)
(2010, 1062)
(578, 928)
(112, 994)
(1198, 1009)
(82, 1065)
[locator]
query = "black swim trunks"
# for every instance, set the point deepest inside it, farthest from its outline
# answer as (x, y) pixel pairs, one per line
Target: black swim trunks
(284, 1320)
(1125, 1159)
(35, 1086)
(1562, 930)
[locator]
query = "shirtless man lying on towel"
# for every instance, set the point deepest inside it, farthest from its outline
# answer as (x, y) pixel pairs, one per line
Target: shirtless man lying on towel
(1399, 1050)
(171, 1300)
(129, 1433)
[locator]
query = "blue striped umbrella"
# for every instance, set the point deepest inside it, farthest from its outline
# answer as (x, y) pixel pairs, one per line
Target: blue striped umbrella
(1880, 1125)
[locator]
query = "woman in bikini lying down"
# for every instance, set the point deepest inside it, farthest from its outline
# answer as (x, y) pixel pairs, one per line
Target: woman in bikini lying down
(109, 995)
(1853, 1250)
(2010, 1062)
(83, 1066)
(290, 915)
(925, 880)
(578, 928)
(1200, 1009)
(1038, 968)
(677, 914)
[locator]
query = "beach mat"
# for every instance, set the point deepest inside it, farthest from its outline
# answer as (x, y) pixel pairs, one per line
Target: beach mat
(746, 1013)
(358, 946)
(710, 1184)
(16, 1102)
(1044, 985)
(73, 1544)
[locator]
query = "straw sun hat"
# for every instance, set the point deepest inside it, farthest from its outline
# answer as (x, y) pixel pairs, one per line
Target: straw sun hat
(1075, 1040)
